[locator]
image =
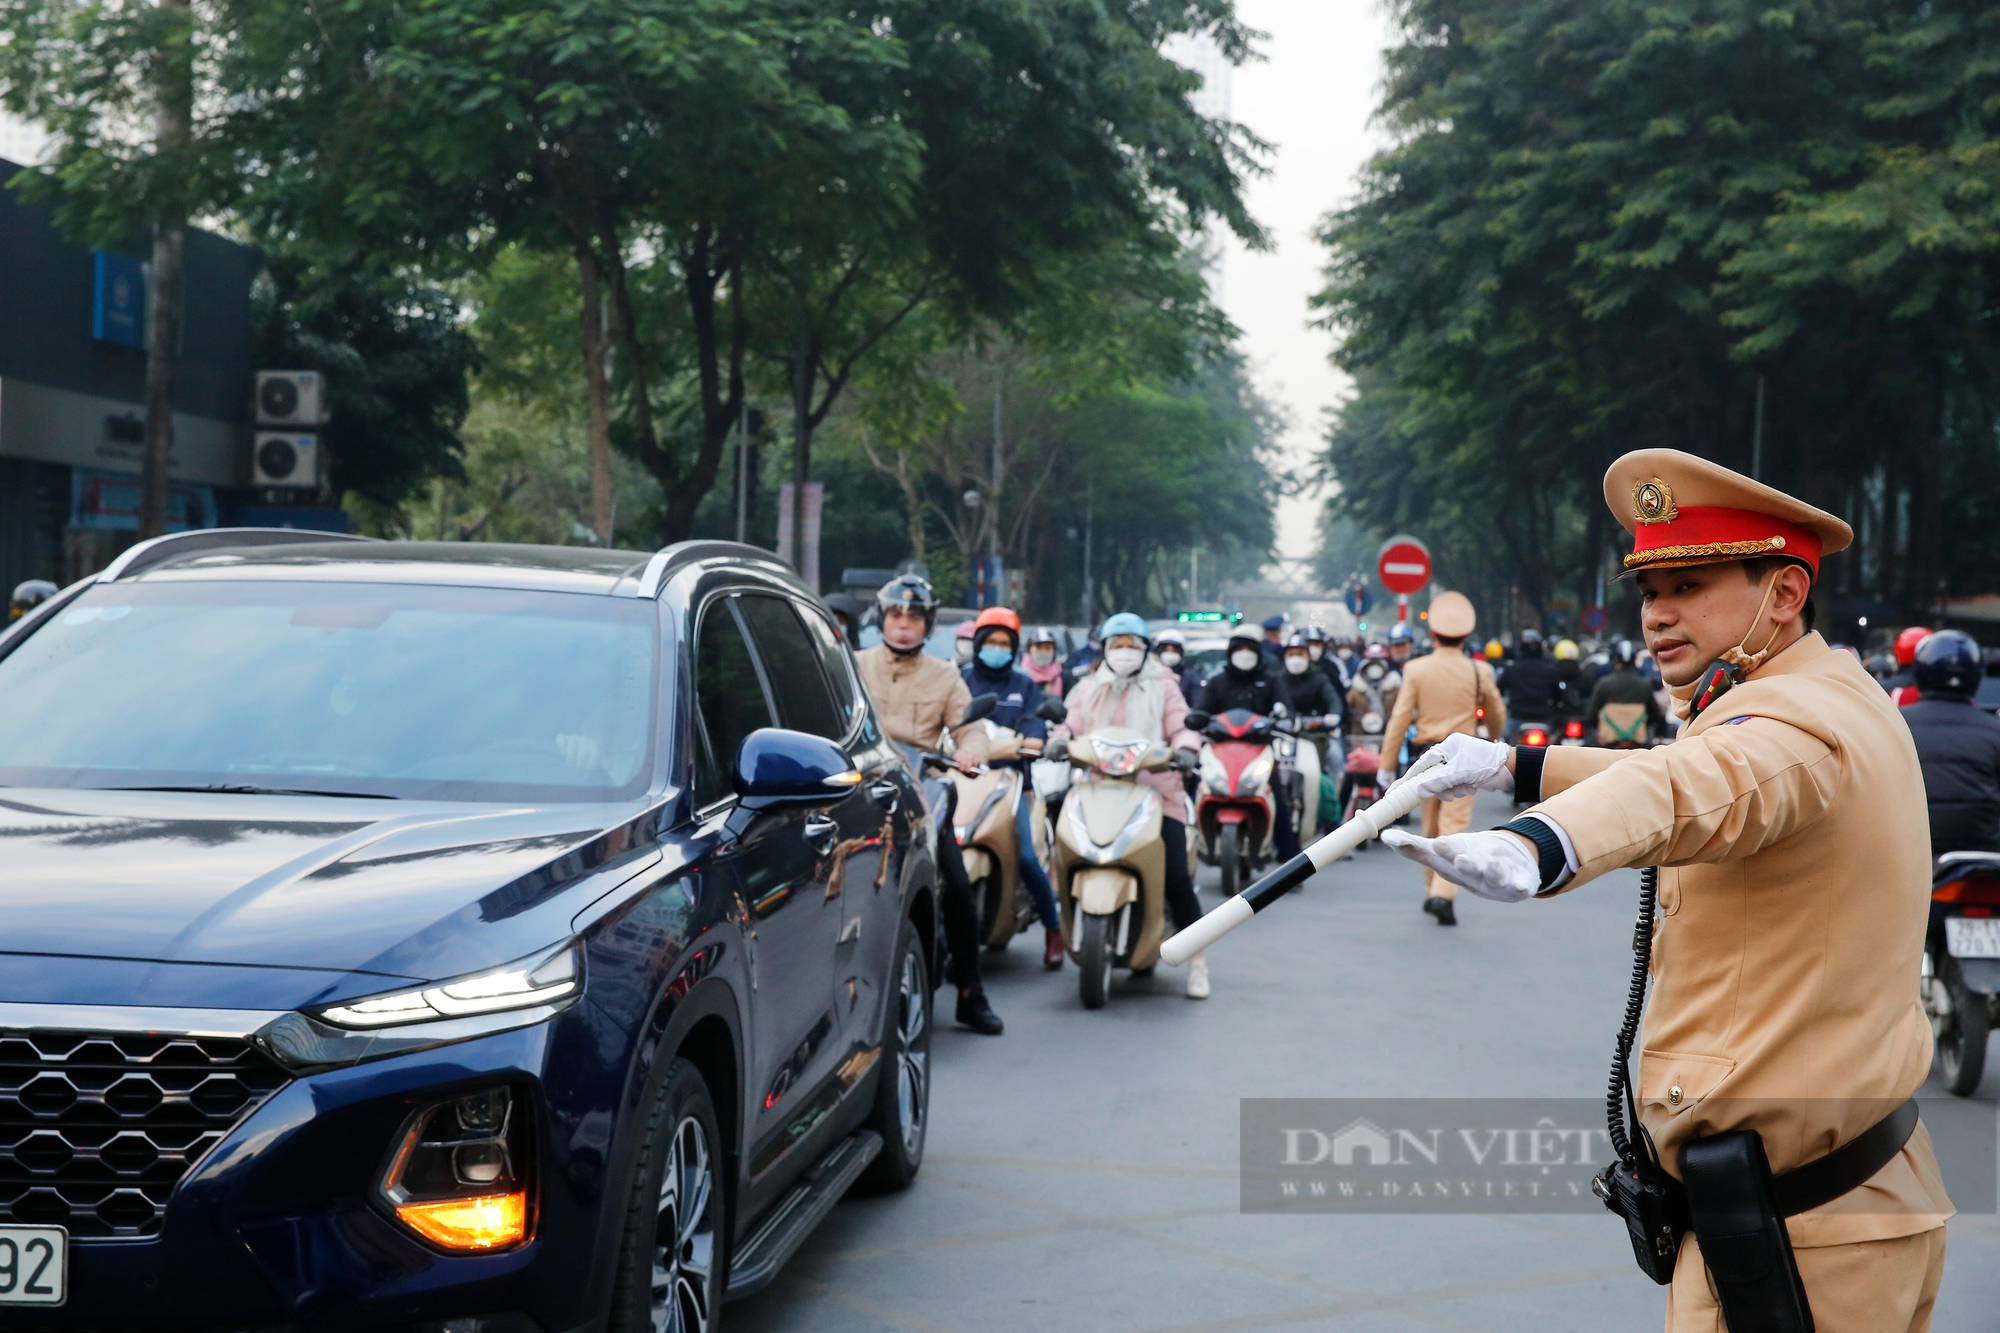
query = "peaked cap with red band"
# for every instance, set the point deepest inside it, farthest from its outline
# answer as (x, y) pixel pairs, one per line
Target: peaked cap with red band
(1684, 510)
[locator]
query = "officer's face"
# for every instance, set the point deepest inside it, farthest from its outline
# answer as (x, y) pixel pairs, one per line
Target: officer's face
(1691, 616)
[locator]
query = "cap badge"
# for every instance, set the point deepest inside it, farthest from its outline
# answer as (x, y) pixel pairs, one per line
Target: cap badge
(1653, 502)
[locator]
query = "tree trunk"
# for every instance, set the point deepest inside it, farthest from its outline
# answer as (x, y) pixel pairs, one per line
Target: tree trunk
(802, 378)
(720, 406)
(173, 124)
(594, 338)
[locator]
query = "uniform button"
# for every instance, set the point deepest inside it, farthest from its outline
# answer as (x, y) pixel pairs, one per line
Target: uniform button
(1674, 1094)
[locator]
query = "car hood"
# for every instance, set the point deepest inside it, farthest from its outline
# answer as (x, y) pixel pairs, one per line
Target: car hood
(399, 889)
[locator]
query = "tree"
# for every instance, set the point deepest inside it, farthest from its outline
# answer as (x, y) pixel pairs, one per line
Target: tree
(95, 73)
(1614, 225)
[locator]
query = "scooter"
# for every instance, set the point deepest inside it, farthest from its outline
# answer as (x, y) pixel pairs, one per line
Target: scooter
(1960, 984)
(1235, 809)
(1299, 769)
(931, 768)
(1363, 769)
(988, 838)
(1110, 865)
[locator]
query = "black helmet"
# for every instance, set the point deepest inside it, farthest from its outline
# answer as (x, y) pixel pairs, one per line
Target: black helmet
(1299, 638)
(1624, 653)
(1531, 643)
(30, 595)
(908, 592)
(1948, 663)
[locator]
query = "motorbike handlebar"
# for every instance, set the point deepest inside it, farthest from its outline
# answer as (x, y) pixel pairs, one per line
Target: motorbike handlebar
(1366, 824)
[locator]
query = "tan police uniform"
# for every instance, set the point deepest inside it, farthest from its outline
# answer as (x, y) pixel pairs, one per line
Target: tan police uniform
(917, 697)
(1789, 820)
(1445, 692)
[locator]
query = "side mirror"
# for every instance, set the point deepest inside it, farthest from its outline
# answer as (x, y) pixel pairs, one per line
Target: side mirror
(776, 766)
(979, 709)
(1052, 710)
(1058, 750)
(1197, 720)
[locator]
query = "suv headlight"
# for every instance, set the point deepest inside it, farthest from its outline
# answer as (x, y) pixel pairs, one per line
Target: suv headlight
(541, 979)
(459, 1174)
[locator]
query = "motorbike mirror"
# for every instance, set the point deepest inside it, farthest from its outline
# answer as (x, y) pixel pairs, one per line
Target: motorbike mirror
(980, 708)
(1058, 750)
(1052, 710)
(1197, 720)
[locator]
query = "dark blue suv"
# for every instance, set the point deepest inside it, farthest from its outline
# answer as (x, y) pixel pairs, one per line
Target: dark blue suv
(465, 937)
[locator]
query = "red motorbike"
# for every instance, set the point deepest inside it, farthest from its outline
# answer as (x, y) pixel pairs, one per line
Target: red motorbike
(1235, 810)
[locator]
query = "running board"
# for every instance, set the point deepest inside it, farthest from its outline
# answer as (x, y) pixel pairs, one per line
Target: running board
(818, 1190)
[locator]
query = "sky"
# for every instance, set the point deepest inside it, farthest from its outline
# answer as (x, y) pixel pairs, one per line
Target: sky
(1312, 97)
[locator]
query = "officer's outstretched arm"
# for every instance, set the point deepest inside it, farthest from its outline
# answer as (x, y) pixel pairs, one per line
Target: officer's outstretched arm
(1729, 792)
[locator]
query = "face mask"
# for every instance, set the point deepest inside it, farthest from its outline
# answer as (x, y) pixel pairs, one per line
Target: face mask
(1170, 658)
(1316, 652)
(1297, 665)
(1345, 654)
(1042, 656)
(1244, 659)
(1124, 661)
(996, 658)
(964, 651)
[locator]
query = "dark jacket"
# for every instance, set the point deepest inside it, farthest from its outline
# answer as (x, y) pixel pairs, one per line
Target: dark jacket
(1229, 688)
(1625, 686)
(1309, 695)
(1080, 664)
(1018, 697)
(1959, 747)
(1532, 687)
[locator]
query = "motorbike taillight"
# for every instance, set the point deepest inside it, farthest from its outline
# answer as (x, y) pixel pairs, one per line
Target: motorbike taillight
(1983, 890)
(1573, 731)
(1534, 736)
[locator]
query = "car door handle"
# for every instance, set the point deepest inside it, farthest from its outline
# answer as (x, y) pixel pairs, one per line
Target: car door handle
(821, 830)
(885, 794)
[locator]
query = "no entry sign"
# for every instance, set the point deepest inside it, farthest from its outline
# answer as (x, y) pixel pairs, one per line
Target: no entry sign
(1404, 565)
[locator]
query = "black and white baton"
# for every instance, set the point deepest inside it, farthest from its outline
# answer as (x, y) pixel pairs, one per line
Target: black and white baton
(1366, 824)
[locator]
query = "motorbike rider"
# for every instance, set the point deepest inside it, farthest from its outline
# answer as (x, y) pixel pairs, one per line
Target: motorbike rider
(1372, 693)
(961, 645)
(1531, 684)
(1131, 690)
(1402, 645)
(28, 596)
(1443, 695)
(1623, 685)
(1245, 681)
(1273, 646)
(1306, 692)
(1085, 659)
(1170, 649)
(1569, 671)
(995, 653)
(1957, 744)
(917, 698)
(1902, 682)
(1345, 661)
(1043, 662)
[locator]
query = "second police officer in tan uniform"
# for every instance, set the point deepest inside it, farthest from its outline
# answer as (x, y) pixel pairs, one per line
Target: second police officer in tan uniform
(1789, 819)
(1449, 694)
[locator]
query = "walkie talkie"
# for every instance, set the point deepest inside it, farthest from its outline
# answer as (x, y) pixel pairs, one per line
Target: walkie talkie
(1718, 680)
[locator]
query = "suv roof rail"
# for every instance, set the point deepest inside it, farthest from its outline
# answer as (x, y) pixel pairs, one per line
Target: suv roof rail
(669, 558)
(158, 550)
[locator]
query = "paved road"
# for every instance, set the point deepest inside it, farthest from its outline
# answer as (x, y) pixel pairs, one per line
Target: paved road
(1083, 1168)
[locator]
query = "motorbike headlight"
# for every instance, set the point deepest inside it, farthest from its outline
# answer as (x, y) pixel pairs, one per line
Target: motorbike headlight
(1256, 775)
(541, 979)
(1118, 758)
(459, 1174)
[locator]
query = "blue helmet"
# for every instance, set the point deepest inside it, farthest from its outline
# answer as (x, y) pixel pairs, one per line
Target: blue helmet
(1399, 634)
(1948, 663)
(1125, 622)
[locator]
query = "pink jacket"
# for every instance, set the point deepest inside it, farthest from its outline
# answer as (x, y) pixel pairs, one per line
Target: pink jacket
(1049, 677)
(1097, 702)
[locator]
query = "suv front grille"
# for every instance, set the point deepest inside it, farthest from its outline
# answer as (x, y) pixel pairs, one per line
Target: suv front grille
(96, 1128)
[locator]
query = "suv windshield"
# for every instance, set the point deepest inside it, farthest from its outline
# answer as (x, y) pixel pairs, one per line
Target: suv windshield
(465, 694)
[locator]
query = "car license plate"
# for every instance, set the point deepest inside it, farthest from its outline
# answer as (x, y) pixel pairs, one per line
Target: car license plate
(34, 1265)
(1972, 937)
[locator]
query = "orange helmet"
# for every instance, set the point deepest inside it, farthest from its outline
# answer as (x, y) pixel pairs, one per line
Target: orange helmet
(998, 615)
(1906, 644)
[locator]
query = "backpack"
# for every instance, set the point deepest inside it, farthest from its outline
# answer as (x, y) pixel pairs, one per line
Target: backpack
(1622, 726)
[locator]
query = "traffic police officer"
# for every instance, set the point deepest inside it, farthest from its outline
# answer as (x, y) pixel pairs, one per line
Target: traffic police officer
(1446, 692)
(1789, 819)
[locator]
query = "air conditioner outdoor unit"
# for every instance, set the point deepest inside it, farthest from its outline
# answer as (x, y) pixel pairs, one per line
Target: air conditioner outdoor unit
(282, 458)
(290, 398)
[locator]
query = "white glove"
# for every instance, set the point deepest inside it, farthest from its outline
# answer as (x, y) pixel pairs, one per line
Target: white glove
(1460, 766)
(1493, 864)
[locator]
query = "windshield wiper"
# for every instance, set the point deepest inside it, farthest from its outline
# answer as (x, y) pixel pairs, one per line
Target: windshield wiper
(248, 789)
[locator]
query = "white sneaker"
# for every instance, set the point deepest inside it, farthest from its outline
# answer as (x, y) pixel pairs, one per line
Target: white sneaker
(1197, 983)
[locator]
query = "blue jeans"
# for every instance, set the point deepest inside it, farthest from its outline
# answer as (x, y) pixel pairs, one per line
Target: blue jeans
(1031, 867)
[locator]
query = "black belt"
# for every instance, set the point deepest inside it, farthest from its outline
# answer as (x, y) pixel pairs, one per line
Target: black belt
(1852, 1164)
